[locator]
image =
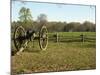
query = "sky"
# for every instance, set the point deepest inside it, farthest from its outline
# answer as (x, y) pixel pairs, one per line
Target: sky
(56, 12)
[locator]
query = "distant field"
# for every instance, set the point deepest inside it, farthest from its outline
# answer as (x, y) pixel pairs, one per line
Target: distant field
(73, 36)
(61, 56)
(75, 33)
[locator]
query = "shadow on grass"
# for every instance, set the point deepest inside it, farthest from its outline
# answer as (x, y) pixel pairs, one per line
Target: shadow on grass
(13, 52)
(32, 50)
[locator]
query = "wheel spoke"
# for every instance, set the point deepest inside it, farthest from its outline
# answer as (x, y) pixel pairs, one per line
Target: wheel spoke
(43, 38)
(19, 36)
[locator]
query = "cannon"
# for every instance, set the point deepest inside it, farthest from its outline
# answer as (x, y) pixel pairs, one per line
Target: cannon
(22, 37)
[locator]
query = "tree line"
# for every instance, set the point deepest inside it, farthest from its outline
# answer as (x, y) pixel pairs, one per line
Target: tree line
(59, 26)
(26, 20)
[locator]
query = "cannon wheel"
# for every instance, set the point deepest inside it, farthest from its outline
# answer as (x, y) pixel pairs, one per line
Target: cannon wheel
(19, 38)
(43, 38)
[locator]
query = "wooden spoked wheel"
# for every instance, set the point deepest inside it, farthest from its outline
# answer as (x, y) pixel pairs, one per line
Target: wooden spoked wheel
(43, 38)
(19, 38)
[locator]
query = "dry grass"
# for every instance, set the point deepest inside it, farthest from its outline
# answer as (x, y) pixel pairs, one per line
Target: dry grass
(66, 56)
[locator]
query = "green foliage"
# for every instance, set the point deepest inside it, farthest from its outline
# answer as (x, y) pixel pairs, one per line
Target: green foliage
(58, 26)
(88, 26)
(73, 26)
(78, 27)
(25, 14)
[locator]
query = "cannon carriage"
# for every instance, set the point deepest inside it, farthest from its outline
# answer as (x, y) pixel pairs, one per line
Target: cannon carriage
(22, 37)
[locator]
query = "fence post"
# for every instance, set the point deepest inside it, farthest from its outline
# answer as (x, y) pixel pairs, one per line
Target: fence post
(57, 37)
(82, 38)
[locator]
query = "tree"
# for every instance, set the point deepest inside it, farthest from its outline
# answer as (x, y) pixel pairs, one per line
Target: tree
(25, 18)
(88, 26)
(70, 27)
(25, 14)
(42, 18)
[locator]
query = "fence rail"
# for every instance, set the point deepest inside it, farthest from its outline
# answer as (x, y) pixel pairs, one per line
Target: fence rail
(78, 38)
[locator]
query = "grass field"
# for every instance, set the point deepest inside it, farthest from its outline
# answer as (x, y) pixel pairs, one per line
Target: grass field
(61, 56)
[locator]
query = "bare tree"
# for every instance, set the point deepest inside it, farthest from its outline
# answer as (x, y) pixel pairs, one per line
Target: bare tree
(42, 19)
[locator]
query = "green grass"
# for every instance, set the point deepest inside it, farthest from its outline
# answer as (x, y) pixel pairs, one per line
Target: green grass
(74, 33)
(62, 56)
(73, 36)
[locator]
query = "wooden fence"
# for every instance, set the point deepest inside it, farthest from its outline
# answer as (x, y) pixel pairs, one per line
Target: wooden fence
(80, 38)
